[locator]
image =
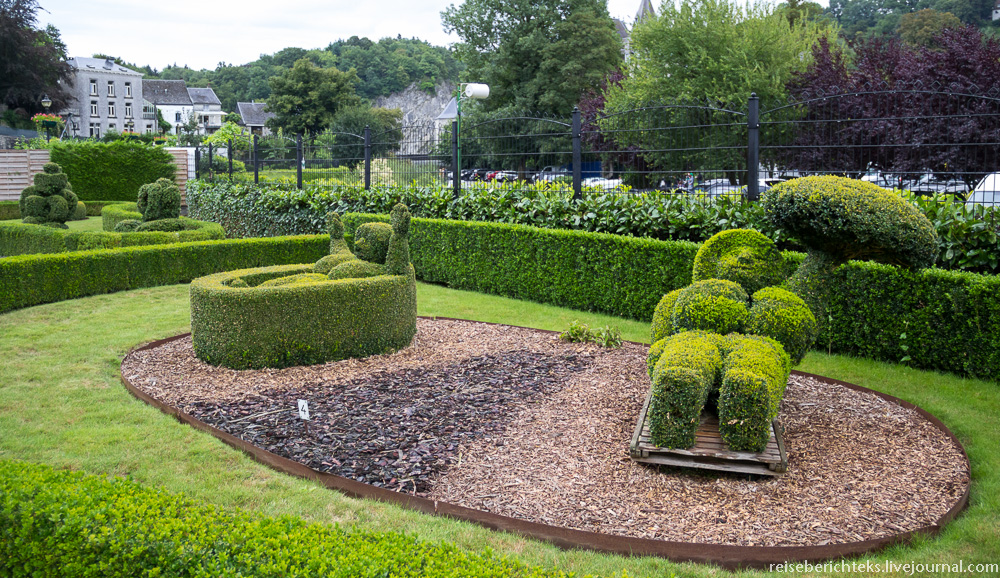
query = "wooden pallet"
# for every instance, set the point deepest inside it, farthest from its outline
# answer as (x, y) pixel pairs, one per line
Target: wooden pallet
(709, 451)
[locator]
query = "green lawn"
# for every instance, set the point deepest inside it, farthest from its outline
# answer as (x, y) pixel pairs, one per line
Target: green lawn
(90, 224)
(61, 403)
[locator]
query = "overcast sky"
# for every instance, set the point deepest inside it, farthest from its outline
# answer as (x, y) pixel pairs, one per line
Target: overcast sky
(203, 33)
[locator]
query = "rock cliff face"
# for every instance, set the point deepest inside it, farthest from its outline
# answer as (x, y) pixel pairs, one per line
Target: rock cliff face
(419, 107)
(421, 129)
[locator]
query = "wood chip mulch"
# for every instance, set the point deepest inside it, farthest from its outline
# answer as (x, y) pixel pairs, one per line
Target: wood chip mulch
(516, 422)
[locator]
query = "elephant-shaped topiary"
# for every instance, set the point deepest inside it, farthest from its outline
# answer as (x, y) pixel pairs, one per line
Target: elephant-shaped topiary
(50, 201)
(731, 332)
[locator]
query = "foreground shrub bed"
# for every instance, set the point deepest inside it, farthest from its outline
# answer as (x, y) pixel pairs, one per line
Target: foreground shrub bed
(968, 236)
(59, 523)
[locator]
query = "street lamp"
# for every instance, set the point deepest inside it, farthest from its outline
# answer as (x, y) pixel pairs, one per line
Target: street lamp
(46, 103)
(474, 91)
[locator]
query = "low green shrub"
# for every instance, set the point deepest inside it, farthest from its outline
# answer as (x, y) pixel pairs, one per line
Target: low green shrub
(168, 225)
(606, 336)
(356, 269)
(9, 210)
(113, 214)
(127, 226)
(302, 324)
(755, 372)
(685, 371)
(80, 212)
(159, 200)
(111, 171)
(27, 280)
(56, 523)
(22, 239)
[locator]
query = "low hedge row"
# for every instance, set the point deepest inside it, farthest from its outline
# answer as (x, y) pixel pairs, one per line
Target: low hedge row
(299, 324)
(9, 209)
(969, 236)
(18, 238)
(113, 215)
(27, 280)
(951, 319)
(61, 523)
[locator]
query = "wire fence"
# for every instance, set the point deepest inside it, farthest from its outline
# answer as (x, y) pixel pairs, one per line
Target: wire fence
(929, 141)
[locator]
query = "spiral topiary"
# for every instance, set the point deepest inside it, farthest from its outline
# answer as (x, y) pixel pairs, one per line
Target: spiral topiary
(159, 200)
(50, 200)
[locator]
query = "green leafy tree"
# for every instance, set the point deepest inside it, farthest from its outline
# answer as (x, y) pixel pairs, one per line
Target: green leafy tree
(921, 27)
(306, 97)
(32, 60)
(229, 132)
(386, 131)
(536, 56)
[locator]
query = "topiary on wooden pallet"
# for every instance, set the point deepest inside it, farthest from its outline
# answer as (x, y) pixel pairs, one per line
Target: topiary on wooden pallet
(50, 201)
(339, 307)
(714, 336)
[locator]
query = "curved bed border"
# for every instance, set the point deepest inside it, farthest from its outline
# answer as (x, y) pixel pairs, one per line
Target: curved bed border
(724, 555)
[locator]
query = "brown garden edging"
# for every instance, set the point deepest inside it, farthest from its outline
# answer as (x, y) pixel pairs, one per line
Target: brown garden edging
(727, 556)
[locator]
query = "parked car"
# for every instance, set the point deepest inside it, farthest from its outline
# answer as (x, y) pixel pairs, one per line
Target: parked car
(930, 184)
(549, 174)
(602, 183)
(987, 192)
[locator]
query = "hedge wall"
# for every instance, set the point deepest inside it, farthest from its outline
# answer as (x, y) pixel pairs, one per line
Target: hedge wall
(60, 523)
(951, 319)
(111, 216)
(111, 171)
(18, 238)
(9, 209)
(27, 280)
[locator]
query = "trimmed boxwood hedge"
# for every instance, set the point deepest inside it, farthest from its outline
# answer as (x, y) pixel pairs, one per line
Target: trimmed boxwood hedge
(27, 280)
(18, 238)
(60, 523)
(9, 209)
(951, 319)
(301, 323)
(111, 171)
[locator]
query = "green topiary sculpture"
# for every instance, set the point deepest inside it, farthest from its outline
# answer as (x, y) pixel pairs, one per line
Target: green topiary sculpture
(159, 200)
(50, 201)
(749, 371)
(840, 219)
(339, 252)
(371, 242)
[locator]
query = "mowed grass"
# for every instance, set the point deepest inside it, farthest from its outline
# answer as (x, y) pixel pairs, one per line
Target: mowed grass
(61, 403)
(89, 224)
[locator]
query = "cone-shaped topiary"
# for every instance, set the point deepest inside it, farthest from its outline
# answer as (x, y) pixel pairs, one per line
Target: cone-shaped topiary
(50, 201)
(159, 200)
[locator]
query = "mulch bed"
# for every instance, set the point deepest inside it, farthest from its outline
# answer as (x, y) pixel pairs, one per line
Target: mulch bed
(515, 422)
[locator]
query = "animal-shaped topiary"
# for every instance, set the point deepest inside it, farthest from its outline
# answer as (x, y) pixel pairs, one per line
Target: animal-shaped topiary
(159, 200)
(339, 252)
(379, 248)
(50, 201)
(716, 335)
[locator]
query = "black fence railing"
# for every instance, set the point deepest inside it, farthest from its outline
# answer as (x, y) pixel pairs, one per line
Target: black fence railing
(931, 142)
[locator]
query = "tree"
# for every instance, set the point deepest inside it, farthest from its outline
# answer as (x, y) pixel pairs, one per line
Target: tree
(385, 126)
(32, 61)
(536, 56)
(920, 28)
(711, 54)
(306, 97)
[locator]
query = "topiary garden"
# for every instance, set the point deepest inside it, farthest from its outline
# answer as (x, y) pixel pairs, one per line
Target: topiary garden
(51, 200)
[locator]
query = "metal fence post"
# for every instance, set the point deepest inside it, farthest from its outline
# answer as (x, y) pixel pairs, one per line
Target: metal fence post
(577, 157)
(299, 159)
(211, 169)
(256, 153)
(197, 162)
(753, 148)
(368, 157)
(230, 150)
(456, 171)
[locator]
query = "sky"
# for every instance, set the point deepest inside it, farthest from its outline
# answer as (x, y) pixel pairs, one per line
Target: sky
(203, 33)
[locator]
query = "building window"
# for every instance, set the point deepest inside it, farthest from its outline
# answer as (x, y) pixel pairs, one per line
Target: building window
(93, 108)
(93, 87)
(95, 130)
(128, 110)
(177, 117)
(128, 90)
(111, 110)
(112, 128)
(111, 88)
(149, 128)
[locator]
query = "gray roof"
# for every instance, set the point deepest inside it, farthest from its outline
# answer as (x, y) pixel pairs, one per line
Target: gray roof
(101, 65)
(166, 92)
(203, 96)
(645, 9)
(253, 113)
(622, 29)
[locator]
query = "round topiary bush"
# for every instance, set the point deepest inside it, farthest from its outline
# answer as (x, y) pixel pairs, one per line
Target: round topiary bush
(50, 200)
(371, 242)
(127, 226)
(80, 214)
(711, 305)
(159, 200)
(663, 316)
(743, 256)
(784, 317)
